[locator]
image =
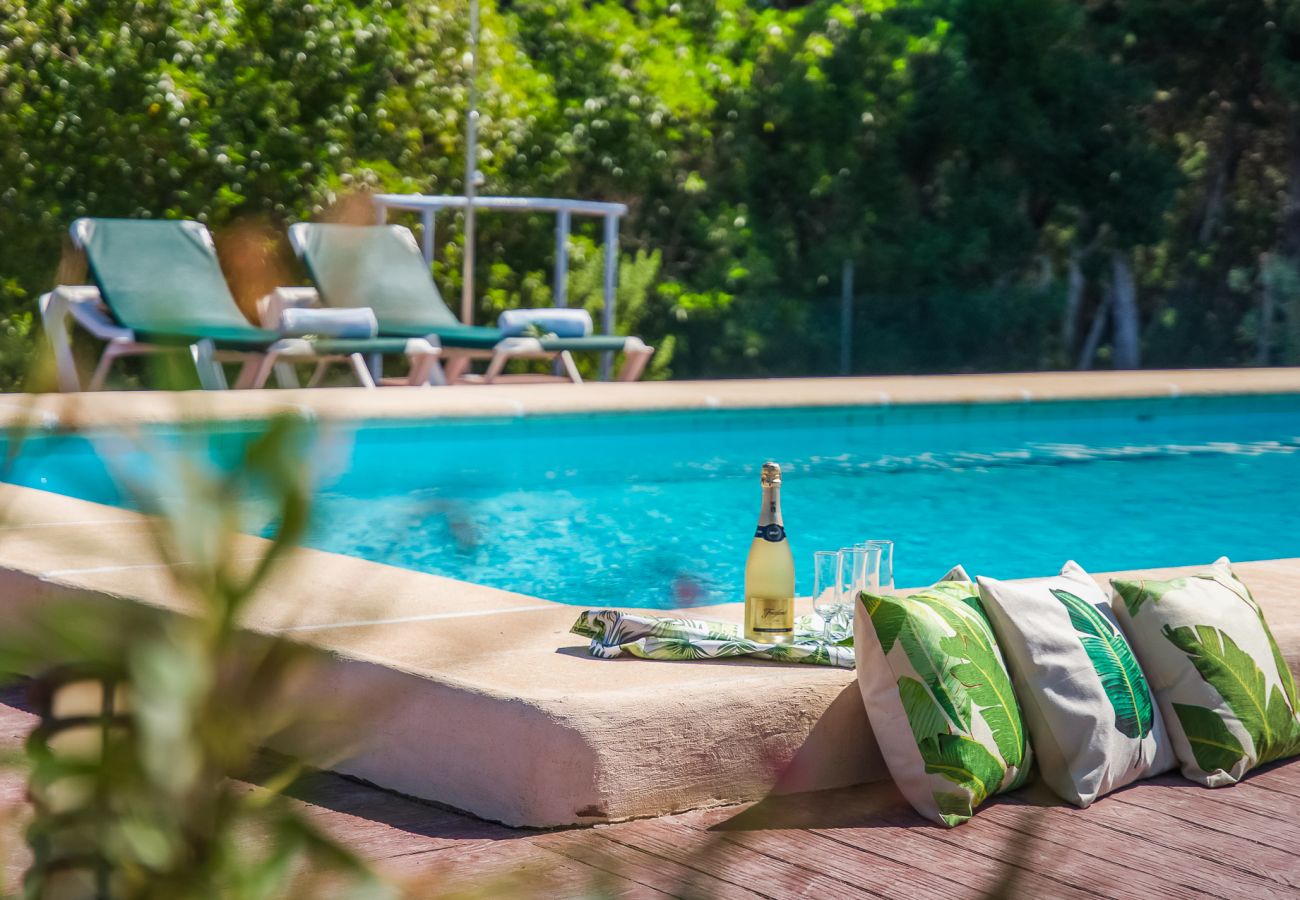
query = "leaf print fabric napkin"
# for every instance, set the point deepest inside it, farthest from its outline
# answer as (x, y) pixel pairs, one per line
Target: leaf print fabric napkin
(614, 633)
(1227, 695)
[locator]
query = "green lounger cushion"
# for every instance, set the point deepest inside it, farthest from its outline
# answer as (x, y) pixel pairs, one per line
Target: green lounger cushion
(480, 337)
(377, 266)
(161, 279)
(592, 343)
(466, 337)
(380, 267)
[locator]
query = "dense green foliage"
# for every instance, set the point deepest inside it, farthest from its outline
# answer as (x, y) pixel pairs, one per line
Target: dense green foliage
(1018, 183)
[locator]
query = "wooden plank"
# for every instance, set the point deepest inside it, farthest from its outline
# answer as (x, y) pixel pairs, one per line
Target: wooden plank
(1076, 831)
(1027, 849)
(391, 825)
(377, 823)
(333, 793)
(1202, 806)
(1282, 779)
(593, 849)
(508, 869)
(1274, 786)
(876, 872)
(920, 846)
(765, 874)
(1258, 799)
(878, 820)
(1197, 840)
(399, 831)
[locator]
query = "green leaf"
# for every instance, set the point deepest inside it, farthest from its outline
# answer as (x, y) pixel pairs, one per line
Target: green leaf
(1213, 745)
(1134, 594)
(678, 648)
(1113, 660)
(1225, 577)
(707, 631)
(985, 679)
(966, 763)
(1264, 714)
(925, 717)
(887, 617)
(954, 808)
(1284, 673)
(736, 647)
(933, 665)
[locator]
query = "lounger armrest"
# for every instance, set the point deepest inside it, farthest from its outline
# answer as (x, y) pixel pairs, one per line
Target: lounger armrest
(429, 346)
(636, 354)
(83, 304)
(270, 309)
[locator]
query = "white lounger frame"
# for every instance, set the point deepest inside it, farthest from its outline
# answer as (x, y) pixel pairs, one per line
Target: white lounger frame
(636, 352)
(85, 307)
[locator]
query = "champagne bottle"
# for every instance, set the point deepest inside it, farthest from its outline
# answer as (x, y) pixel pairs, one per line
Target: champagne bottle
(769, 571)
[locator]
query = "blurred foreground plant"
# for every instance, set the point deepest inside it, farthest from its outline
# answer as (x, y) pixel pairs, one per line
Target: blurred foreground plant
(149, 714)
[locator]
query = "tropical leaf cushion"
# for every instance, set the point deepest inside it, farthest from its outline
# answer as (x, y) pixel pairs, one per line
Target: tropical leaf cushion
(1091, 716)
(939, 699)
(1226, 693)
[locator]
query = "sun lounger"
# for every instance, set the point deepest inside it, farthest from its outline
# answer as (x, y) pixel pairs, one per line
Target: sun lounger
(159, 288)
(380, 266)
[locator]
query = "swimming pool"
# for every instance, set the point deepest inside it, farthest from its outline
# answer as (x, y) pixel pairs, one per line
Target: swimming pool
(657, 509)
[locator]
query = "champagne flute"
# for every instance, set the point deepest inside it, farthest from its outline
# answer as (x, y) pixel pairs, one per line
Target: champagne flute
(879, 573)
(826, 587)
(852, 580)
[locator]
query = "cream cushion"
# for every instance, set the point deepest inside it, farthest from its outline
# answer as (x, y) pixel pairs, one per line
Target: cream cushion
(1091, 716)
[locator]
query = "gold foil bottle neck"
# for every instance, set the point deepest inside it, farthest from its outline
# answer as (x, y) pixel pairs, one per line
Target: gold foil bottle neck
(771, 474)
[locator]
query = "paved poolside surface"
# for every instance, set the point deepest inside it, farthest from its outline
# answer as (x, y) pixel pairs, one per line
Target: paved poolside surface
(1161, 838)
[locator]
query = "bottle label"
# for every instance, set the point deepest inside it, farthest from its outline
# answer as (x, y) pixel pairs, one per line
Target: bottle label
(766, 618)
(774, 533)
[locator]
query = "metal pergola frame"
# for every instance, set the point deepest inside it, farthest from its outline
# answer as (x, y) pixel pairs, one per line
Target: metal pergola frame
(429, 205)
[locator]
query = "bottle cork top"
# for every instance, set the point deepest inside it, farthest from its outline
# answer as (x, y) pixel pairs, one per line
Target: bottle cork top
(771, 474)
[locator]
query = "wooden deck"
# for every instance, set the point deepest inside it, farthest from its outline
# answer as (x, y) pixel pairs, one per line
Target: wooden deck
(1162, 838)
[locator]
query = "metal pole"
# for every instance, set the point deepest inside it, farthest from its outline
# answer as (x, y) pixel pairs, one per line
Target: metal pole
(846, 317)
(426, 236)
(561, 288)
(381, 213)
(471, 169)
(611, 289)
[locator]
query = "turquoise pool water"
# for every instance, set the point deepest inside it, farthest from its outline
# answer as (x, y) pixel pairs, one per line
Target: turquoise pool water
(657, 509)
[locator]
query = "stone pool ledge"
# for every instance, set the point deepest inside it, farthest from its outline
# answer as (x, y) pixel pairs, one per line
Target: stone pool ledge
(481, 698)
(115, 409)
